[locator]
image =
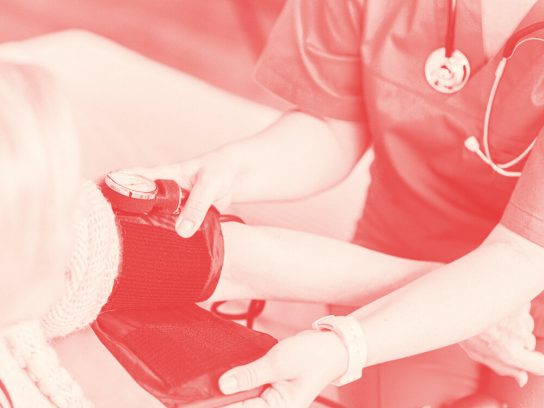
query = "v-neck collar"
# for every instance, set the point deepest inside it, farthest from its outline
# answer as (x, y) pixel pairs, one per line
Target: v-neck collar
(535, 13)
(469, 33)
(482, 68)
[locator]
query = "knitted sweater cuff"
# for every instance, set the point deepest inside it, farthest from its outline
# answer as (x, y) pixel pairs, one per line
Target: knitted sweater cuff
(92, 268)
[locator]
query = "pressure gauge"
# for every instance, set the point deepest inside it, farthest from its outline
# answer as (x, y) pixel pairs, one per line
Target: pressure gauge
(134, 193)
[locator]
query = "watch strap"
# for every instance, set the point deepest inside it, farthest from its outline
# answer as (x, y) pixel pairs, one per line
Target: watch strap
(350, 331)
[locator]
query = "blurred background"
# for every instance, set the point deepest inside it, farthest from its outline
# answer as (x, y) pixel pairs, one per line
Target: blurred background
(216, 40)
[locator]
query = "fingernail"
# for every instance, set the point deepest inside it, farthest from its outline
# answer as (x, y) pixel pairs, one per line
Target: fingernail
(523, 378)
(184, 227)
(228, 385)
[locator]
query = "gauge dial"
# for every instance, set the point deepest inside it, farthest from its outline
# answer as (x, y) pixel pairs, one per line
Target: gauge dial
(131, 185)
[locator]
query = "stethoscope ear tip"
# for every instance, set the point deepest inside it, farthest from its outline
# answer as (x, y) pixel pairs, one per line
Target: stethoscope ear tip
(472, 144)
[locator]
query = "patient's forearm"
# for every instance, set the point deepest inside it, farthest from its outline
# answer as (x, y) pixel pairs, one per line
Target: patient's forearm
(274, 263)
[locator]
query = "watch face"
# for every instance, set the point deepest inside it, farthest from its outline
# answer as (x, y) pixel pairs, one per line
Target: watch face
(131, 185)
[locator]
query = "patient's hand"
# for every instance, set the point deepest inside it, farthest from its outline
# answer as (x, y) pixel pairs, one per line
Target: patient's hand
(508, 347)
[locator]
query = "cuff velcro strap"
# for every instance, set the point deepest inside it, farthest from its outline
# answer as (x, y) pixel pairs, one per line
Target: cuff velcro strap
(161, 270)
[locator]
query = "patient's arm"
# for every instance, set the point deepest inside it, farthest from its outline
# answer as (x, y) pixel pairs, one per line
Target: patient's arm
(274, 263)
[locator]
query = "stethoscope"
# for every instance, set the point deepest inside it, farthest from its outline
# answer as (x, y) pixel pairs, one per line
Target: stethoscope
(447, 70)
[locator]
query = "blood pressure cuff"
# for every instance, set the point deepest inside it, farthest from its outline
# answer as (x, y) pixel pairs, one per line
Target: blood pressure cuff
(159, 269)
(178, 355)
(171, 347)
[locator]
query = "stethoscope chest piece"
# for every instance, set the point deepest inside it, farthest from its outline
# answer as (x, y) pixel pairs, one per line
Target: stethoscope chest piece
(447, 74)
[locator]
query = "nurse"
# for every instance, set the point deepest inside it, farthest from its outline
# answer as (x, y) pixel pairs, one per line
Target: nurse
(357, 73)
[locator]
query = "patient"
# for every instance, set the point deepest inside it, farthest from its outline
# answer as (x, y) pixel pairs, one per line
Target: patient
(61, 247)
(61, 261)
(39, 175)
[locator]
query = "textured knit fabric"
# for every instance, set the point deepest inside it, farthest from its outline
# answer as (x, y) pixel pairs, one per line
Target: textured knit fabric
(92, 268)
(33, 375)
(29, 366)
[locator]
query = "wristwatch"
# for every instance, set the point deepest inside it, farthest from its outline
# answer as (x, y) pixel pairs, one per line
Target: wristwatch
(137, 194)
(349, 330)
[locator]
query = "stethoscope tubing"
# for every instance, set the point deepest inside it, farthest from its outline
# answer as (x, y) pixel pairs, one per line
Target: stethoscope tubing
(450, 30)
(515, 39)
(514, 42)
(501, 168)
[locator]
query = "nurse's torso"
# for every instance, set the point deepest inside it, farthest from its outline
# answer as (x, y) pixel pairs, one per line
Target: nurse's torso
(430, 198)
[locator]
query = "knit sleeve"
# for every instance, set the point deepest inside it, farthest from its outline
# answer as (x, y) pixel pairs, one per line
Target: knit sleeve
(92, 269)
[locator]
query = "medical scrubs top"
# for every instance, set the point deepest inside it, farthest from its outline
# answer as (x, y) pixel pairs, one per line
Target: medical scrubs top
(429, 197)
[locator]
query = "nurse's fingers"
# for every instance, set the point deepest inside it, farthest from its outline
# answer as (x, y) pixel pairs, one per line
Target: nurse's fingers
(520, 376)
(252, 403)
(197, 205)
(270, 398)
(529, 342)
(479, 350)
(248, 377)
(521, 323)
(528, 360)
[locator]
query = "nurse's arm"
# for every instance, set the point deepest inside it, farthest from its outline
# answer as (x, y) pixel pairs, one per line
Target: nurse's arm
(275, 263)
(296, 156)
(456, 301)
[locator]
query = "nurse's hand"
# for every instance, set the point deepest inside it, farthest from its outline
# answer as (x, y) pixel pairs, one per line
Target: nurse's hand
(297, 369)
(508, 348)
(209, 178)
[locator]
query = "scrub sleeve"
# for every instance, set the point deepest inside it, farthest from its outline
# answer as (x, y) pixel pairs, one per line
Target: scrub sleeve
(524, 215)
(313, 60)
(525, 212)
